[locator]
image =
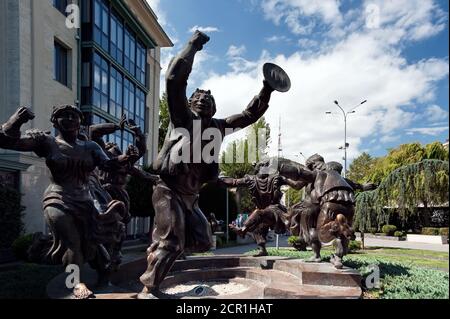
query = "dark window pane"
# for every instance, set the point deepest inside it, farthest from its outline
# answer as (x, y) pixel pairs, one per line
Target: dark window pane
(61, 63)
(61, 5)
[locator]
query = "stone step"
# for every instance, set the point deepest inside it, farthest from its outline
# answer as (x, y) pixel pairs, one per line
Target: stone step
(225, 261)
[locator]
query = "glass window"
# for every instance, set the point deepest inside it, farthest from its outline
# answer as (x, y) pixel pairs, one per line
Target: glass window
(130, 52)
(116, 47)
(141, 63)
(101, 24)
(115, 93)
(101, 83)
(61, 5)
(129, 99)
(140, 109)
(60, 63)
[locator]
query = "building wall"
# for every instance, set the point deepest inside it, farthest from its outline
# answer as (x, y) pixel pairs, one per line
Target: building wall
(26, 75)
(28, 29)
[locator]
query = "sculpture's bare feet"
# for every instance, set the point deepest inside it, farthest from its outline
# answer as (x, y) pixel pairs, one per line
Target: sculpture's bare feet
(336, 261)
(82, 292)
(148, 294)
(239, 231)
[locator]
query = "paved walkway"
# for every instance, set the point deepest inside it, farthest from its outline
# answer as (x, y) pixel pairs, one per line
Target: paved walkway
(369, 242)
(375, 242)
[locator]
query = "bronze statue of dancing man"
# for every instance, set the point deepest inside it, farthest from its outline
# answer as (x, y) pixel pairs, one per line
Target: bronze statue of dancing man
(179, 222)
(265, 189)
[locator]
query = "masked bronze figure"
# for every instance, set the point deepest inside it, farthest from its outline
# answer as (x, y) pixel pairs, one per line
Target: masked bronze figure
(326, 213)
(265, 189)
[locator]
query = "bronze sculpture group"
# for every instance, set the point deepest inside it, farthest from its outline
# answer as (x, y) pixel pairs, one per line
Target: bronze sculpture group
(86, 205)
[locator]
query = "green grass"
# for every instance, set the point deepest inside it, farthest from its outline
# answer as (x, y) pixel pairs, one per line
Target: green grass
(405, 274)
(28, 281)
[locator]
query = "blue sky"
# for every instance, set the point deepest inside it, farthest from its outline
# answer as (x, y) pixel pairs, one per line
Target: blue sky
(394, 53)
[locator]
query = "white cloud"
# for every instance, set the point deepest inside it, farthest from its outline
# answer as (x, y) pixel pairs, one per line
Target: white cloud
(433, 131)
(413, 19)
(234, 51)
(208, 29)
(155, 5)
(278, 38)
(434, 113)
(292, 13)
(345, 72)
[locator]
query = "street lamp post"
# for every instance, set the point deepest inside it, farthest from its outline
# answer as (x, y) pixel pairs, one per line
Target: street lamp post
(346, 145)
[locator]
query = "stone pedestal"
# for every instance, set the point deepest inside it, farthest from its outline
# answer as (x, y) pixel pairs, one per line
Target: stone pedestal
(264, 277)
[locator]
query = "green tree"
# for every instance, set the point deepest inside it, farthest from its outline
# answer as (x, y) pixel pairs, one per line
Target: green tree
(424, 183)
(361, 167)
(164, 120)
(293, 197)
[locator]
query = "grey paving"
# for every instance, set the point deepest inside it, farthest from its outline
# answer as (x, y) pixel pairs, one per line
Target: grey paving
(369, 242)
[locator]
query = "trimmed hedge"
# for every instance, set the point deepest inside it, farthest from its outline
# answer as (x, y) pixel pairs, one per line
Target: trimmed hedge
(399, 234)
(11, 213)
(389, 230)
(431, 231)
(21, 245)
(443, 232)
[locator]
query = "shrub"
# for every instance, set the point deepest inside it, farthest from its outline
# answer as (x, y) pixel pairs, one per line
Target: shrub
(443, 232)
(11, 225)
(292, 240)
(431, 231)
(399, 234)
(389, 230)
(21, 245)
(372, 230)
(354, 245)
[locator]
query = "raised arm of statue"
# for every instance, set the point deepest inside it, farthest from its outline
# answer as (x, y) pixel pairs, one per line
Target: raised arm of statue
(257, 107)
(97, 131)
(176, 80)
(140, 139)
(10, 135)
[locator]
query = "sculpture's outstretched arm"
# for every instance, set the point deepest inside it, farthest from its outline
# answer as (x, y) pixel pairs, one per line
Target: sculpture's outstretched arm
(232, 182)
(144, 175)
(97, 131)
(361, 187)
(105, 163)
(257, 107)
(297, 173)
(295, 184)
(176, 80)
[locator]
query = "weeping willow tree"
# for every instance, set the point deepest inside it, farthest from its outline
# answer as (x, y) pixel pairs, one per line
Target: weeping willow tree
(422, 184)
